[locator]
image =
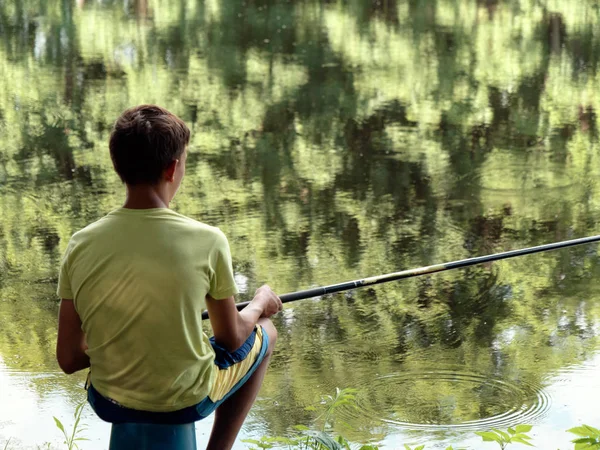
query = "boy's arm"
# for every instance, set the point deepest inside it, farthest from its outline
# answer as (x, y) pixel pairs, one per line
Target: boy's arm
(232, 327)
(70, 345)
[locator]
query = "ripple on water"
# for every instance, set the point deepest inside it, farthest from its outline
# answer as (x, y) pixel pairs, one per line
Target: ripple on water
(565, 375)
(449, 400)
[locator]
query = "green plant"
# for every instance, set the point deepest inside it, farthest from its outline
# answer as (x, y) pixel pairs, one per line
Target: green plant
(270, 442)
(343, 397)
(517, 434)
(78, 428)
(589, 437)
(307, 439)
(304, 438)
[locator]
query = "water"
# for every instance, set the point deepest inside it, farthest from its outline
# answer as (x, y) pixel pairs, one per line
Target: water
(331, 141)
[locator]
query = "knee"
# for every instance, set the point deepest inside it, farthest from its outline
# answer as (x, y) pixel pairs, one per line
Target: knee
(271, 331)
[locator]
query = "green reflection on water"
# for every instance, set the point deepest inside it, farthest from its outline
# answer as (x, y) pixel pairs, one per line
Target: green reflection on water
(331, 141)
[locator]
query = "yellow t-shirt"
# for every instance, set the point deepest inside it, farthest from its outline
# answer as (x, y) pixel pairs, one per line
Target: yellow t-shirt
(139, 279)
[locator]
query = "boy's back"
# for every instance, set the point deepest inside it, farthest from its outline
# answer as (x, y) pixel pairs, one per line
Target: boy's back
(133, 286)
(141, 277)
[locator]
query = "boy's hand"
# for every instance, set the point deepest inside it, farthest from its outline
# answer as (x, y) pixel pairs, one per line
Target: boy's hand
(270, 302)
(231, 328)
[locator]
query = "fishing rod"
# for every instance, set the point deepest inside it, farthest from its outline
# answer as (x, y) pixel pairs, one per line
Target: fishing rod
(348, 285)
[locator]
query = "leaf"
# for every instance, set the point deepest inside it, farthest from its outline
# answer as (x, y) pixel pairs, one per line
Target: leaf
(504, 435)
(522, 435)
(595, 431)
(280, 440)
(301, 427)
(523, 428)
(78, 410)
(59, 424)
(585, 446)
(343, 442)
(584, 441)
(325, 440)
(521, 441)
(512, 431)
(579, 431)
(76, 424)
(488, 436)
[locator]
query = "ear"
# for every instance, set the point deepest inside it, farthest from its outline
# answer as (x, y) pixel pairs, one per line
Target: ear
(170, 171)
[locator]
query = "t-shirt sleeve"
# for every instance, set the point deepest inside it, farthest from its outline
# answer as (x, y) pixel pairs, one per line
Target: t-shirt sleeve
(64, 282)
(222, 281)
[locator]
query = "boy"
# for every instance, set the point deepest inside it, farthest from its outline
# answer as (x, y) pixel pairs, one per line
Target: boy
(133, 286)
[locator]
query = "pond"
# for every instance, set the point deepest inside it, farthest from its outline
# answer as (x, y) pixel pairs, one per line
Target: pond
(331, 141)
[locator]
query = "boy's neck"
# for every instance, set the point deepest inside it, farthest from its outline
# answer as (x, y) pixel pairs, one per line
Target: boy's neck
(146, 197)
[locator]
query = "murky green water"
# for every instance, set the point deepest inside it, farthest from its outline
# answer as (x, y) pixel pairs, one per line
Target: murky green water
(332, 140)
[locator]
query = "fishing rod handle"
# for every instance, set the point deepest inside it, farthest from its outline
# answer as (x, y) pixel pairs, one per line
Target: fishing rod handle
(308, 293)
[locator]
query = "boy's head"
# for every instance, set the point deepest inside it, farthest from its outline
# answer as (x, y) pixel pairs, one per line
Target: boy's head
(146, 142)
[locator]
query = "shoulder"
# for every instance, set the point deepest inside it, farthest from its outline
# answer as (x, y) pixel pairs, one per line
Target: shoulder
(208, 230)
(195, 223)
(91, 230)
(216, 236)
(210, 234)
(80, 239)
(87, 232)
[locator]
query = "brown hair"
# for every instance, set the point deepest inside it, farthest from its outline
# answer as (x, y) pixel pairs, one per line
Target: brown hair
(144, 141)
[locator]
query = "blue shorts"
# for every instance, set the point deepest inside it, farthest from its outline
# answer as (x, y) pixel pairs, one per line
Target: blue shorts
(112, 412)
